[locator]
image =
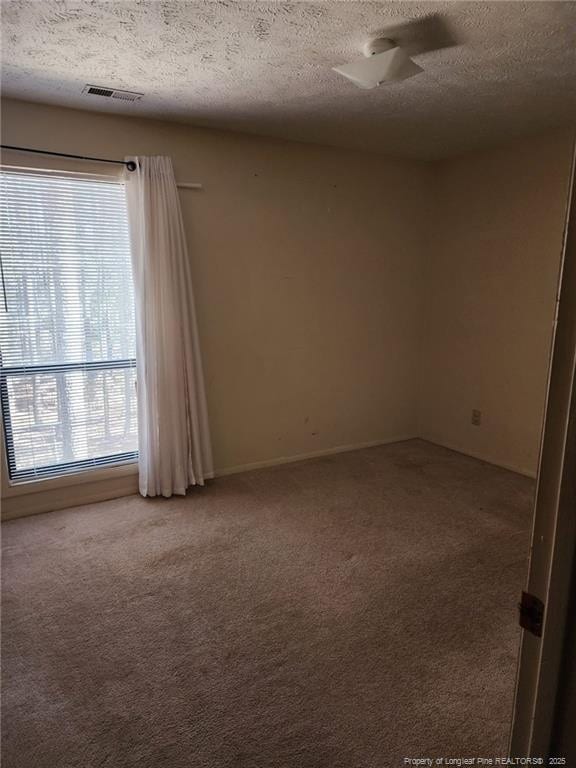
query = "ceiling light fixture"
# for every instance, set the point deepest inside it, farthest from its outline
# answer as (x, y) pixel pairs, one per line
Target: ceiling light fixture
(384, 62)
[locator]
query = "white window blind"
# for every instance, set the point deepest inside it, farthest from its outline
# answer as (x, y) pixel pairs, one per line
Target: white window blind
(67, 331)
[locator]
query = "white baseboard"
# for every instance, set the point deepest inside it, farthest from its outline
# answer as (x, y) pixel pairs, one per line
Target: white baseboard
(50, 500)
(311, 455)
(103, 490)
(488, 460)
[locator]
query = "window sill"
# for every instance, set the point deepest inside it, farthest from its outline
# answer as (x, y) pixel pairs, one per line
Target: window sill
(11, 490)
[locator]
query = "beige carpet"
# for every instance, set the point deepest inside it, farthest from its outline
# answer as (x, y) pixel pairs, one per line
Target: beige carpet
(338, 613)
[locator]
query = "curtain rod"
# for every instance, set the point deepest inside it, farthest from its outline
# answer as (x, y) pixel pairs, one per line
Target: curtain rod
(130, 165)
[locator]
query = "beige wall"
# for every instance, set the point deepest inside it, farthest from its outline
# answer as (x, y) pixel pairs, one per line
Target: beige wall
(491, 277)
(306, 264)
(345, 298)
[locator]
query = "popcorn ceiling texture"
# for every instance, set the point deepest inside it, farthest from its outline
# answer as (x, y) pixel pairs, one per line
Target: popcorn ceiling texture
(493, 70)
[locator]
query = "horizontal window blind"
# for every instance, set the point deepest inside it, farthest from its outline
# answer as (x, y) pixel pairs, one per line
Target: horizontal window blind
(67, 332)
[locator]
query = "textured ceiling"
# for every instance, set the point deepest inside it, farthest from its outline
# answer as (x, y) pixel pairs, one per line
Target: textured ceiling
(492, 70)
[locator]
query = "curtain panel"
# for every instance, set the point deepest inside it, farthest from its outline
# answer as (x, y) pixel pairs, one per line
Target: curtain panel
(173, 435)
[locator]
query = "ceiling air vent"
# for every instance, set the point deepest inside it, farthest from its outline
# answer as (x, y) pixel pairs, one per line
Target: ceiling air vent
(111, 93)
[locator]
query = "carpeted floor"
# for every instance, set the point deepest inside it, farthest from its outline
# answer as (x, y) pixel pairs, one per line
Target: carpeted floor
(339, 613)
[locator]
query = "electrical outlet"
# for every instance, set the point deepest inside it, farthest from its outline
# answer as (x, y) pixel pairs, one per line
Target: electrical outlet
(476, 418)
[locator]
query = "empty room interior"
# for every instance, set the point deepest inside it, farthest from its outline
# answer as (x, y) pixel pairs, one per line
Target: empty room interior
(279, 292)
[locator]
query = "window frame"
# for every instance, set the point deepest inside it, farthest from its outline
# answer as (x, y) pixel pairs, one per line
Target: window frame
(85, 470)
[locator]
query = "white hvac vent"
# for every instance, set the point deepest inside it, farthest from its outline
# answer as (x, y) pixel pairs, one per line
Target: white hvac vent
(111, 93)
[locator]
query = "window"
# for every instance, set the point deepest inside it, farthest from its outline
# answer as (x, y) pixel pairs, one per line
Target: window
(67, 335)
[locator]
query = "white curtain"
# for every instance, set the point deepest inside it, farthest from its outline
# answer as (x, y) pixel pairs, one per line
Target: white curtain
(174, 441)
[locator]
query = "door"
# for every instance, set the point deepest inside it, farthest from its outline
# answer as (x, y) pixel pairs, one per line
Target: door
(554, 529)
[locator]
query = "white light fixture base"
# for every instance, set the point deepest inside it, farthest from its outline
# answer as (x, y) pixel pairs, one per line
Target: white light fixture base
(380, 45)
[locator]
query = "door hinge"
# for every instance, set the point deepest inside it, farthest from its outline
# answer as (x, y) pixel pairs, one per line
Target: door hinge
(531, 613)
